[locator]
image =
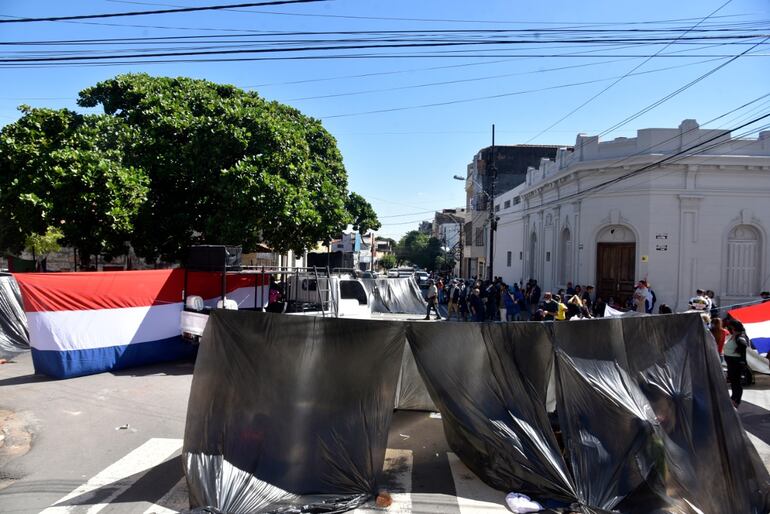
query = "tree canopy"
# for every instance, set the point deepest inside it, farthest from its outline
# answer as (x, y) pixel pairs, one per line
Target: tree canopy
(174, 162)
(419, 249)
(62, 171)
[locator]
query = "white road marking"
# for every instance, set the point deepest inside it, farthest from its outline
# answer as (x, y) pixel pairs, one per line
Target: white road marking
(398, 471)
(763, 449)
(473, 495)
(759, 397)
(117, 477)
(174, 501)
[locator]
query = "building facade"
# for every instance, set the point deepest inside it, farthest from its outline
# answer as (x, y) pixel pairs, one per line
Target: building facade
(684, 208)
(448, 229)
(509, 170)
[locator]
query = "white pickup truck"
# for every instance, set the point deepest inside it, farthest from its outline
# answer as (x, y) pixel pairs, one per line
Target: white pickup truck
(305, 293)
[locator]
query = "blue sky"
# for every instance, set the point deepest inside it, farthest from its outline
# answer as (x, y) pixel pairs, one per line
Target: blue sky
(403, 160)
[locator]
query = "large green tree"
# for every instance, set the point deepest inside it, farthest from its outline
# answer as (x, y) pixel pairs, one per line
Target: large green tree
(362, 214)
(226, 166)
(63, 172)
(418, 249)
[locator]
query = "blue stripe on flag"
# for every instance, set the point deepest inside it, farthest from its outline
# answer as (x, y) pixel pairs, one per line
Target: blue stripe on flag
(75, 363)
(762, 344)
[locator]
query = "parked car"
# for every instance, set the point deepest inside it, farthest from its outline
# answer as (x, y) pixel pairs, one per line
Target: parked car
(422, 278)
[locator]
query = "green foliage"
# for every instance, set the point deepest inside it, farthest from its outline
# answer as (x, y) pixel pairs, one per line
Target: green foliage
(444, 262)
(43, 244)
(388, 261)
(225, 166)
(66, 170)
(418, 249)
(362, 214)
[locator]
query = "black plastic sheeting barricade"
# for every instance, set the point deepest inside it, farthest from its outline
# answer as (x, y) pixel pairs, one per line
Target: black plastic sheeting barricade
(290, 413)
(284, 407)
(646, 422)
(411, 393)
(395, 295)
(14, 337)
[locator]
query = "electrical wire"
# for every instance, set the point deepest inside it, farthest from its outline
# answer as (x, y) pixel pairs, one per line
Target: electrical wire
(157, 11)
(613, 84)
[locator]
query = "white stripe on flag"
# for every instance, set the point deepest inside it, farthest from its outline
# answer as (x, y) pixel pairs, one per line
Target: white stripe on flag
(102, 328)
(473, 495)
(118, 477)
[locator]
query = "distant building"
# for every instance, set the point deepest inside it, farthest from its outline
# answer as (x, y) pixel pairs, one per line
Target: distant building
(699, 220)
(447, 228)
(511, 163)
(426, 227)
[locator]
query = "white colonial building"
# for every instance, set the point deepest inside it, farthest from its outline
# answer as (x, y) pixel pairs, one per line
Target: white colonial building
(685, 208)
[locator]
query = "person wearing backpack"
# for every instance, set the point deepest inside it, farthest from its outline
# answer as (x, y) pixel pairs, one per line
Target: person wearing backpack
(734, 352)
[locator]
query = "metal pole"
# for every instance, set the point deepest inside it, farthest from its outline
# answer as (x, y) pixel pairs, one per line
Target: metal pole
(492, 222)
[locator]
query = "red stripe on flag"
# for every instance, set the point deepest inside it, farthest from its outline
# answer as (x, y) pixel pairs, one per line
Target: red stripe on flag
(752, 313)
(43, 292)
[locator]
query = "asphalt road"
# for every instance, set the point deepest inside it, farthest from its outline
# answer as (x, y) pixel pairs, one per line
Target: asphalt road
(111, 443)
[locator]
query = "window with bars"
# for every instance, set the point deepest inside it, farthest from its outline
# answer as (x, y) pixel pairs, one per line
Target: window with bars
(507, 204)
(508, 260)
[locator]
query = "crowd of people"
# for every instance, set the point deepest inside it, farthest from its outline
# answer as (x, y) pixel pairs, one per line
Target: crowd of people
(478, 300)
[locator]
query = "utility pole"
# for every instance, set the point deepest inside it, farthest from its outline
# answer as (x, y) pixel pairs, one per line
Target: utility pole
(492, 172)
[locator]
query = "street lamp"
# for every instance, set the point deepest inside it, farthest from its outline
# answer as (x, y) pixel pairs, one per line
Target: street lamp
(491, 198)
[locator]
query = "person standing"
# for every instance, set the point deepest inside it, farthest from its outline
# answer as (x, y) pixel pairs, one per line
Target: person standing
(549, 307)
(477, 305)
(587, 299)
(454, 300)
(734, 351)
(534, 296)
(432, 300)
(518, 298)
(640, 297)
(719, 333)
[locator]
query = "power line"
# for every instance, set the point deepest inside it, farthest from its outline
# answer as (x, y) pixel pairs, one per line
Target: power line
(673, 157)
(597, 95)
(680, 90)
(159, 11)
(444, 20)
(499, 95)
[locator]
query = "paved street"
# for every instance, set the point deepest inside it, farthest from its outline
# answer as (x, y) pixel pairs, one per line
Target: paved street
(111, 443)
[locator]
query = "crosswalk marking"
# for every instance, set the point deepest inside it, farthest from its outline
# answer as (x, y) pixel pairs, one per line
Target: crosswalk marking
(763, 449)
(174, 501)
(473, 495)
(398, 474)
(117, 477)
(760, 398)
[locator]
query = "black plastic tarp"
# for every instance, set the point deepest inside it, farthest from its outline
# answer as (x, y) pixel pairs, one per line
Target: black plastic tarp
(14, 337)
(411, 393)
(489, 382)
(395, 295)
(290, 411)
(646, 422)
(284, 409)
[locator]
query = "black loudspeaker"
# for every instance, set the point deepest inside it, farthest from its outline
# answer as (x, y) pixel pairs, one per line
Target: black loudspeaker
(214, 258)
